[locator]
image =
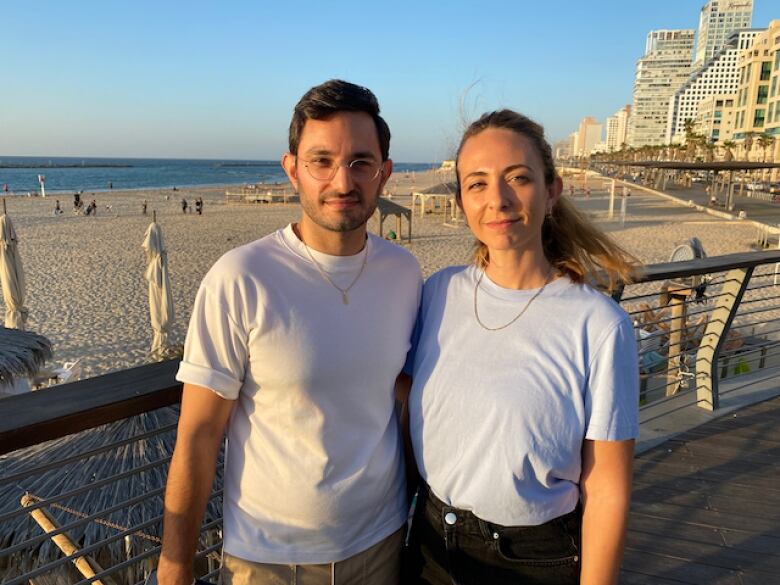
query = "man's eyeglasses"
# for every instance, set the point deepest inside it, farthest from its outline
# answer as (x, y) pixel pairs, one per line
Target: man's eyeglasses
(324, 169)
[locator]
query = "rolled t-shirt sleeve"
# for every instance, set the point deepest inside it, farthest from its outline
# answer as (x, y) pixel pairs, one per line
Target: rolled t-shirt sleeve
(215, 351)
(612, 393)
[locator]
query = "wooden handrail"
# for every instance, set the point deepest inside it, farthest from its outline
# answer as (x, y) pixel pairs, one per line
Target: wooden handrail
(35, 417)
(32, 418)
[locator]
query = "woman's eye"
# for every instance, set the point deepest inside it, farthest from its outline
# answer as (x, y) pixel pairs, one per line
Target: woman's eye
(476, 185)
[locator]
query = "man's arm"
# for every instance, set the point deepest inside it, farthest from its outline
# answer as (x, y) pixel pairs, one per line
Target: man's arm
(606, 497)
(202, 422)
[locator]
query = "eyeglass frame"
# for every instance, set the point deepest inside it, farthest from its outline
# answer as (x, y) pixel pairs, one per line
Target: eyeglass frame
(336, 168)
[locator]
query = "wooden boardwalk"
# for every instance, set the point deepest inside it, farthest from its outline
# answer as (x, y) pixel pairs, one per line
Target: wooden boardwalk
(706, 505)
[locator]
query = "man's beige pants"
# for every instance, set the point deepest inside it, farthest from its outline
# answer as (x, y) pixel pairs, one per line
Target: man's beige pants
(378, 565)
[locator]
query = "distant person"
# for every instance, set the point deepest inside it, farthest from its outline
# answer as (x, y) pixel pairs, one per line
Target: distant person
(94, 208)
(57, 208)
(174, 188)
(199, 206)
(183, 205)
(110, 185)
(143, 207)
(5, 187)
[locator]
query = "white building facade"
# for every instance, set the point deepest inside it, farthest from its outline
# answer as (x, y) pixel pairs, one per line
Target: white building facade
(663, 69)
(718, 19)
(718, 76)
(617, 129)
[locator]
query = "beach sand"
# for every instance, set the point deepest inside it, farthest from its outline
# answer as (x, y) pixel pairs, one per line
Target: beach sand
(87, 294)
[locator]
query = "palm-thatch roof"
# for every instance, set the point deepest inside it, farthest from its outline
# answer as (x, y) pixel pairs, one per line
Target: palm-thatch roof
(22, 353)
(19, 475)
(440, 188)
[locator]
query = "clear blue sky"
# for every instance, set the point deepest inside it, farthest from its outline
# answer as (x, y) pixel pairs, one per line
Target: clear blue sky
(220, 79)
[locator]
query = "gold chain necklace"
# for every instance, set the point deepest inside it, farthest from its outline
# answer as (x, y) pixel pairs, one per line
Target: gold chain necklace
(520, 314)
(344, 291)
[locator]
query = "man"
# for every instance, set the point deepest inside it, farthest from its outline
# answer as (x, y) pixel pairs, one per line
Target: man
(294, 346)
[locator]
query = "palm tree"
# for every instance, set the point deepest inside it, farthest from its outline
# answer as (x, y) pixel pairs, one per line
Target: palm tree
(748, 144)
(765, 141)
(727, 146)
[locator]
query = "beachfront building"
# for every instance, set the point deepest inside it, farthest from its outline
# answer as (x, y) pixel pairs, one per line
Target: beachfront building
(664, 67)
(617, 128)
(718, 76)
(588, 135)
(758, 67)
(717, 21)
(715, 118)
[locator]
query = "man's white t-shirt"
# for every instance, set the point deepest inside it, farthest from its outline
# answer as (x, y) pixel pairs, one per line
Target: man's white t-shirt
(313, 470)
(498, 417)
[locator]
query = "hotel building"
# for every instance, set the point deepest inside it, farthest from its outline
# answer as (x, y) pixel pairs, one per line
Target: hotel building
(617, 128)
(718, 76)
(718, 19)
(665, 66)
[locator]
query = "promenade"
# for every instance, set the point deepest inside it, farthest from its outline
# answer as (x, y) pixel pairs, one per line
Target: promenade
(706, 504)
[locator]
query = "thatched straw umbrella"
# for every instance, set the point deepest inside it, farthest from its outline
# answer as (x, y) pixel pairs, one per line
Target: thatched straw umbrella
(22, 353)
(145, 486)
(11, 275)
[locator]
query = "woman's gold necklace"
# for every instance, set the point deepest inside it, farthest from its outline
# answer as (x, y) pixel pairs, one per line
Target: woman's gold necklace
(344, 291)
(523, 310)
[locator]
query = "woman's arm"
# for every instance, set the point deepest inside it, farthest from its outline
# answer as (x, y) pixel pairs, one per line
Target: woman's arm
(606, 496)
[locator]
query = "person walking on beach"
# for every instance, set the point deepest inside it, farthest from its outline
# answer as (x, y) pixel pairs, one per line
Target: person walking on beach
(199, 206)
(57, 208)
(183, 205)
(144, 205)
(292, 352)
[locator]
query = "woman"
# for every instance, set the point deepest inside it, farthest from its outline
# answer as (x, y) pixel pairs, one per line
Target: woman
(523, 410)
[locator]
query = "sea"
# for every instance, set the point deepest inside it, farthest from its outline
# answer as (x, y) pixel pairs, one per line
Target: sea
(19, 174)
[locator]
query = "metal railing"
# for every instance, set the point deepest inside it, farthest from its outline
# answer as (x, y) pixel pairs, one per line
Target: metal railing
(83, 466)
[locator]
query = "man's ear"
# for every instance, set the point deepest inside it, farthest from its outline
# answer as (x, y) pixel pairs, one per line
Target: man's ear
(387, 170)
(290, 166)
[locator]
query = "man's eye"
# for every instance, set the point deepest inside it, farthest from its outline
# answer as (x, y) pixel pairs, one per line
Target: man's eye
(519, 179)
(324, 163)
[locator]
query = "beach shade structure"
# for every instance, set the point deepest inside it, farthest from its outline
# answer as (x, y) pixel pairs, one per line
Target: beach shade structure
(101, 483)
(11, 276)
(22, 353)
(160, 299)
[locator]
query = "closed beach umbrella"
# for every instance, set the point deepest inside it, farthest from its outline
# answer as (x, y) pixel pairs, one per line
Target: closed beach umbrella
(11, 276)
(160, 299)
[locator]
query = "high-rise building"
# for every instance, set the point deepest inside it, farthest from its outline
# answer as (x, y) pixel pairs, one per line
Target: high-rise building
(588, 135)
(665, 66)
(617, 128)
(758, 97)
(718, 19)
(717, 76)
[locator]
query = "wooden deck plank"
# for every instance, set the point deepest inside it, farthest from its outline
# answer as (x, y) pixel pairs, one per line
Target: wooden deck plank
(648, 493)
(706, 505)
(705, 553)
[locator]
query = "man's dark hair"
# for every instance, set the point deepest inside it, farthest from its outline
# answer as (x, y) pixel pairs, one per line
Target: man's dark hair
(335, 95)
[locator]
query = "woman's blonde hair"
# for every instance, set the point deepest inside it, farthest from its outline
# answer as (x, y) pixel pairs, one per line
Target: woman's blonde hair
(571, 243)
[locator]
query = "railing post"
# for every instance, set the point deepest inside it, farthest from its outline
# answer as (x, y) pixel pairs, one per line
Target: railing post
(714, 337)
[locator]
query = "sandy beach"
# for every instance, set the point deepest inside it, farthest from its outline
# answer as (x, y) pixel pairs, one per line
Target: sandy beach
(87, 294)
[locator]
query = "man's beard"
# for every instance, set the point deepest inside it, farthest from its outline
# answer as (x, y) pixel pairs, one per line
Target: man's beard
(348, 222)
